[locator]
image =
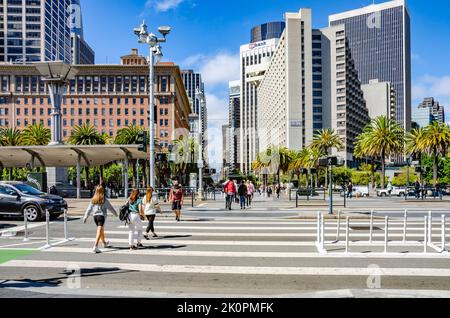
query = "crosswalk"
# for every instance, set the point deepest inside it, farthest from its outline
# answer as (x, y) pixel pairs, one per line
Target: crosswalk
(258, 247)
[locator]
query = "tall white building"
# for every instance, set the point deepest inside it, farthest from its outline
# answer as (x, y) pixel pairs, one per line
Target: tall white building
(285, 93)
(311, 84)
(255, 60)
(35, 30)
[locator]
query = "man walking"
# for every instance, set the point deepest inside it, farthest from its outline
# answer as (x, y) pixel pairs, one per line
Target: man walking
(242, 191)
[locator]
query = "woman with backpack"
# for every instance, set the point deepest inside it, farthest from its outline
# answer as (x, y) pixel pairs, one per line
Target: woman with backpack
(135, 225)
(176, 197)
(99, 208)
(150, 205)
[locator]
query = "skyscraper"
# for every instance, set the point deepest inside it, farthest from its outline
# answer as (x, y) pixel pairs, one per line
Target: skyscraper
(35, 30)
(311, 84)
(234, 124)
(192, 81)
(255, 60)
(82, 53)
(379, 37)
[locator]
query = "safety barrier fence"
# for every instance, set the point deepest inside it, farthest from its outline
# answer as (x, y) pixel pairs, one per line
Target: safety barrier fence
(411, 235)
(48, 228)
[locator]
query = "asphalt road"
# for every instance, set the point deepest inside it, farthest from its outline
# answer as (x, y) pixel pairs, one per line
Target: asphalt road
(269, 250)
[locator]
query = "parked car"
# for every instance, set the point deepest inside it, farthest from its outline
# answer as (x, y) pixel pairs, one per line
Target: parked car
(19, 199)
(361, 191)
(396, 191)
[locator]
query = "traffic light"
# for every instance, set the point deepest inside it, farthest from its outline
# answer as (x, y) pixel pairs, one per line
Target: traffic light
(142, 141)
(161, 157)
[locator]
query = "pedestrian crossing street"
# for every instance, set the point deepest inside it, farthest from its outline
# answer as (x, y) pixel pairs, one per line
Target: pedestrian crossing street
(251, 246)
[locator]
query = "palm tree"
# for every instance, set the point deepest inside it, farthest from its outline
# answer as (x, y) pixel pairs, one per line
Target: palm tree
(383, 138)
(87, 135)
(11, 137)
(36, 135)
(326, 139)
(414, 145)
(323, 141)
(185, 155)
(436, 140)
(362, 150)
(129, 136)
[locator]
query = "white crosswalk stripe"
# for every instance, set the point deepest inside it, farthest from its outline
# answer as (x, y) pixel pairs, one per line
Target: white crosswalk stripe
(251, 241)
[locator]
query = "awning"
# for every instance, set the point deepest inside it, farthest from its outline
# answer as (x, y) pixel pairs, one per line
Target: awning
(67, 155)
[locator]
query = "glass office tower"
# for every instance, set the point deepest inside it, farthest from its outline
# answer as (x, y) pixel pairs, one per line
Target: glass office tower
(34, 30)
(380, 41)
(267, 31)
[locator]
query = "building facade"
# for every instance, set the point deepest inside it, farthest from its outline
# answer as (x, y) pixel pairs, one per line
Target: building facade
(380, 99)
(109, 97)
(225, 150)
(35, 30)
(234, 124)
(379, 37)
(427, 112)
(311, 84)
(82, 53)
(285, 93)
(267, 31)
(343, 106)
(254, 62)
(192, 81)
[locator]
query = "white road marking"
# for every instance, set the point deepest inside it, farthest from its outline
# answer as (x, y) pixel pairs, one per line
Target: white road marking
(22, 227)
(248, 243)
(20, 244)
(270, 234)
(242, 270)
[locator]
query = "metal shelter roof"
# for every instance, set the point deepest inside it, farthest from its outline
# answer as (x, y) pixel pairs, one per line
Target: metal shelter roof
(67, 155)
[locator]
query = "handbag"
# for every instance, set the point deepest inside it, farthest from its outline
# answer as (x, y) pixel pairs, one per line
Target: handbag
(124, 213)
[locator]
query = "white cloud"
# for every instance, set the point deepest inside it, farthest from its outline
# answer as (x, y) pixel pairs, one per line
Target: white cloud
(432, 86)
(215, 69)
(163, 5)
(220, 69)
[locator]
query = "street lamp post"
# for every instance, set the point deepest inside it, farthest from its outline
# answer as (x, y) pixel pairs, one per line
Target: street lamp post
(201, 97)
(57, 76)
(311, 160)
(155, 50)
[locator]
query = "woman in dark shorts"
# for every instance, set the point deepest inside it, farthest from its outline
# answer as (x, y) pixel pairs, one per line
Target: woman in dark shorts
(99, 208)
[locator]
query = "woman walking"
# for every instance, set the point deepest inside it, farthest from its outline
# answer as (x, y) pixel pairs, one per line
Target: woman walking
(99, 208)
(176, 197)
(135, 226)
(150, 205)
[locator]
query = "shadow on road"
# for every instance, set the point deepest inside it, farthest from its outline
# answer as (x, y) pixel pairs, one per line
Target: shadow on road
(57, 281)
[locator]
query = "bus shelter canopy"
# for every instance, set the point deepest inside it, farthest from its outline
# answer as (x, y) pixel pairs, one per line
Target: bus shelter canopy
(67, 155)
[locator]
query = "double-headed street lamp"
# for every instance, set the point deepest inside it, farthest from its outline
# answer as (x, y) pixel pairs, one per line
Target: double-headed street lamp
(155, 50)
(201, 97)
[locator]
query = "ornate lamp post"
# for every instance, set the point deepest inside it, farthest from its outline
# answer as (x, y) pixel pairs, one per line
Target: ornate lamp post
(201, 97)
(144, 37)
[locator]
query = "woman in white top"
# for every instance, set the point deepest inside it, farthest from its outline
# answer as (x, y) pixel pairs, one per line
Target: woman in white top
(150, 205)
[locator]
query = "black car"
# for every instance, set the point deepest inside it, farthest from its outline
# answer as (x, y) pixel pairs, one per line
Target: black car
(17, 199)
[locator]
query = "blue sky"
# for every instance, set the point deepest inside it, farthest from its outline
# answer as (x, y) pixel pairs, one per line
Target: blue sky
(207, 35)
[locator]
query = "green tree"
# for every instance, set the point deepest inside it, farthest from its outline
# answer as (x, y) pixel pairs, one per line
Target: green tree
(129, 136)
(36, 135)
(436, 142)
(11, 137)
(415, 145)
(87, 135)
(383, 138)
